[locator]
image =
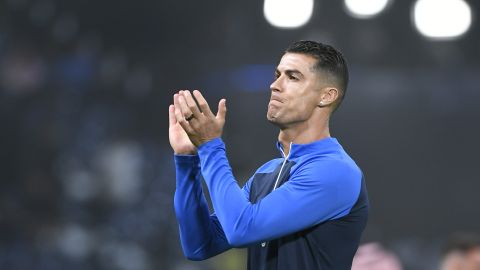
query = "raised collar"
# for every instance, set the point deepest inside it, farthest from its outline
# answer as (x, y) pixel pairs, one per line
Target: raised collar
(323, 146)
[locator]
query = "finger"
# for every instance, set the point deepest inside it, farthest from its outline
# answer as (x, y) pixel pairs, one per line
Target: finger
(171, 115)
(176, 103)
(179, 115)
(222, 110)
(194, 125)
(187, 113)
(202, 103)
(192, 105)
(177, 112)
(181, 120)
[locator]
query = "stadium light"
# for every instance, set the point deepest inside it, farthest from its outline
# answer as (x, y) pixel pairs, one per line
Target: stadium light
(288, 13)
(442, 19)
(365, 9)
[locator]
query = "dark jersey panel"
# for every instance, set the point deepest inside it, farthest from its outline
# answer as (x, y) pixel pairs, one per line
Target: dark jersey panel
(263, 183)
(328, 245)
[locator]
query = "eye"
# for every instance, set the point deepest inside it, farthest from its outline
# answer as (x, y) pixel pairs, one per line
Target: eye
(291, 77)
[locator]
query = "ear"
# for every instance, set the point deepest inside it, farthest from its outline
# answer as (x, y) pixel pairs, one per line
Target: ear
(328, 96)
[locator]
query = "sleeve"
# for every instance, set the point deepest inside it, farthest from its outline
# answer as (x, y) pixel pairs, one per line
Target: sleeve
(201, 234)
(317, 192)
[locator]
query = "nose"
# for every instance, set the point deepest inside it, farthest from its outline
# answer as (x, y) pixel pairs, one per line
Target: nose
(275, 86)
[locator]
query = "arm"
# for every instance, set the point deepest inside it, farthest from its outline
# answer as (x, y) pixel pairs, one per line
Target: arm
(201, 235)
(317, 192)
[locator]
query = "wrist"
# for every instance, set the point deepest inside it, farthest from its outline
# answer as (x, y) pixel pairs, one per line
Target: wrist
(186, 153)
(210, 144)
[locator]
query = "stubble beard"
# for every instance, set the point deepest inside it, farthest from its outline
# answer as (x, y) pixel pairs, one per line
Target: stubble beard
(271, 113)
(273, 116)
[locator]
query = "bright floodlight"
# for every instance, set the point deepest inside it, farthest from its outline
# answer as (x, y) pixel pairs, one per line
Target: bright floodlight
(288, 13)
(442, 19)
(364, 9)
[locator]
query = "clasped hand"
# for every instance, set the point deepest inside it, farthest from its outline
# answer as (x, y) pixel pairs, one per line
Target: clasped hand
(192, 125)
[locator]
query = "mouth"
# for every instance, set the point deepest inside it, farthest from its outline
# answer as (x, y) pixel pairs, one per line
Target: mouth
(273, 98)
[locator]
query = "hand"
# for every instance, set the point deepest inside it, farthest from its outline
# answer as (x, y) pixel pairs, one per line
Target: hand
(179, 140)
(202, 125)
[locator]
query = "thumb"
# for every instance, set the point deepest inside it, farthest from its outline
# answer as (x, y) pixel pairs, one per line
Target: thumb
(222, 109)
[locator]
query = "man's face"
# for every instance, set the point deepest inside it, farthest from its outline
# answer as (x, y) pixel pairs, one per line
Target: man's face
(295, 93)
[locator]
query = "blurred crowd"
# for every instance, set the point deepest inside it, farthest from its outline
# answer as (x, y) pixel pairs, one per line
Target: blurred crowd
(86, 184)
(460, 252)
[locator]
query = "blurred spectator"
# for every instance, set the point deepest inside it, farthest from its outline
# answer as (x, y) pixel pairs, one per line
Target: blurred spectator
(373, 256)
(22, 71)
(462, 252)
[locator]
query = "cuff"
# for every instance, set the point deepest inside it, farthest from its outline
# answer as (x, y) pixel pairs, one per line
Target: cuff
(186, 159)
(210, 146)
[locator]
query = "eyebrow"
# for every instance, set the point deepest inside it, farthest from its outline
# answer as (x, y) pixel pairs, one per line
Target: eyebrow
(290, 72)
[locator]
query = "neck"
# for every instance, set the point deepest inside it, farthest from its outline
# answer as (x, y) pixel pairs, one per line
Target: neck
(304, 132)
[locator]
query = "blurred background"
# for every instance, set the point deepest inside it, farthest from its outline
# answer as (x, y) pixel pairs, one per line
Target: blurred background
(87, 174)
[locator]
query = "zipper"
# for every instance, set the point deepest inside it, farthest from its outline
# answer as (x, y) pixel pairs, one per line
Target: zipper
(278, 176)
(283, 164)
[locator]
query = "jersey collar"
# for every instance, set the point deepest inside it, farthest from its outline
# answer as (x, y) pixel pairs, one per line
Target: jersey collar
(323, 146)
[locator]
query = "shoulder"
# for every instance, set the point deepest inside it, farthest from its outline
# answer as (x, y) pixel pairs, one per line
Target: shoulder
(335, 169)
(338, 179)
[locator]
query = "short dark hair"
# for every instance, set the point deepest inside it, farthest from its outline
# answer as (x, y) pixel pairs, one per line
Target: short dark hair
(330, 61)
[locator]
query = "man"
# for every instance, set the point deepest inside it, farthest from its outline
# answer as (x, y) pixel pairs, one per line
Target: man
(306, 210)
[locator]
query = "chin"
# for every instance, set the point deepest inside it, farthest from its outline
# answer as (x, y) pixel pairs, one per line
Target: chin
(271, 117)
(275, 117)
(274, 120)
(272, 113)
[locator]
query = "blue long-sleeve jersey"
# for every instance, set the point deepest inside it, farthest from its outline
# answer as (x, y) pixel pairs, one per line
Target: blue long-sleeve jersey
(306, 210)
